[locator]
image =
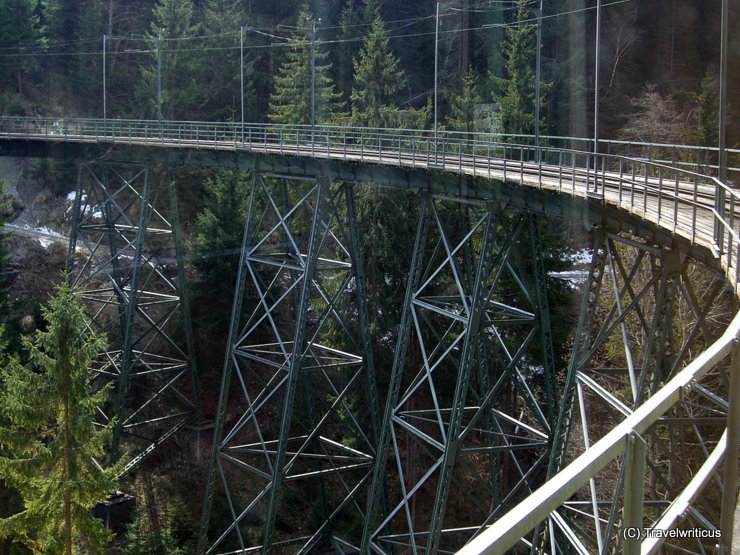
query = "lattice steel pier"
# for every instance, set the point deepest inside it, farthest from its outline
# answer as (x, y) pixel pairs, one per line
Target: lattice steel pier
(126, 260)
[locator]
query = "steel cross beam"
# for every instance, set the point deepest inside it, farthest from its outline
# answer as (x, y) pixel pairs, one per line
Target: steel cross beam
(632, 297)
(472, 320)
(296, 424)
(125, 259)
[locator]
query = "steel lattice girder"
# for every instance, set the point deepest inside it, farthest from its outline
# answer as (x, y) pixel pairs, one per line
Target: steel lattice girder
(294, 443)
(126, 261)
(654, 307)
(469, 406)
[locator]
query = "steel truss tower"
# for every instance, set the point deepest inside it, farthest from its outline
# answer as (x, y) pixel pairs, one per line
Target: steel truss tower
(470, 404)
(295, 437)
(652, 309)
(125, 259)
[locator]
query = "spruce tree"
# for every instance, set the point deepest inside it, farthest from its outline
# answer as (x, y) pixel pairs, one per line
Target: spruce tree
(356, 19)
(217, 63)
(377, 79)
(48, 440)
(173, 21)
(290, 101)
(517, 90)
(218, 231)
(462, 106)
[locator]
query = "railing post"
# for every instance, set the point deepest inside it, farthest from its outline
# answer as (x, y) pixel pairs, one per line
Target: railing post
(729, 492)
(719, 206)
(634, 494)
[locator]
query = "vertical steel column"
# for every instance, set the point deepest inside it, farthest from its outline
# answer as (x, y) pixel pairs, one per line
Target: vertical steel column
(298, 427)
(184, 295)
(478, 300)
(654, 365)
(729, 478)
(580, 352)
(456, 308)
(105, 96)
(296, 360)
(362, 314)
(377, 486)
(543, 316)
(127, 346)
(159, 78)
(634, 488)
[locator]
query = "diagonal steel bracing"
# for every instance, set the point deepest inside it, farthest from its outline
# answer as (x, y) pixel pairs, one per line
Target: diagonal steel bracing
(294, 439)
(472, 410)
(126, 260)
(648, 308)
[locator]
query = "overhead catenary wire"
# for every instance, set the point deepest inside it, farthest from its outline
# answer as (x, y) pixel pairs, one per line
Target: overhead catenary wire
(295, 43)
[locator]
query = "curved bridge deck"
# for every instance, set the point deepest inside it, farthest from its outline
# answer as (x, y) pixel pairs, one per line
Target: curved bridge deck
(695, 208)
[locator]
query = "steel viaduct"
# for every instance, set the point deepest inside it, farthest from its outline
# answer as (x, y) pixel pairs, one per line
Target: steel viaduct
(467, 445)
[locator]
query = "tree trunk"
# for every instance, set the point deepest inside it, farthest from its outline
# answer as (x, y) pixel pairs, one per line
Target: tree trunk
(67, 454)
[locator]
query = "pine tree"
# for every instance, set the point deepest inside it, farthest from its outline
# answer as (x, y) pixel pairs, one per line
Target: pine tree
(462, 106)
(377, 79)
(290, 102)
(48, 440)
(517, 91)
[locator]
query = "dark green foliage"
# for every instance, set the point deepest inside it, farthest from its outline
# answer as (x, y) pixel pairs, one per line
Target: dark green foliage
(705, 115)
(17, 27)
(48, 449)
(290, 101)
(218, 231)
(462, 106)
(155, 534)
(6, 213)
(89, 69)
(216, 63)
(516, 94)
(377, 79)
(172, 20)
(388, 224)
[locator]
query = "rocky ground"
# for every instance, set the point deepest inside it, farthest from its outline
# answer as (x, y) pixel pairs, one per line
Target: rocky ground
(38, 241)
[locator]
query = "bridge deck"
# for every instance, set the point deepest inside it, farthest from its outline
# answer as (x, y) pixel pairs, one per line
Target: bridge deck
(683, 202)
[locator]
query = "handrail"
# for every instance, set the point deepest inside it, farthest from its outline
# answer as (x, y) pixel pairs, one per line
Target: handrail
(519, 521)
(568, 142)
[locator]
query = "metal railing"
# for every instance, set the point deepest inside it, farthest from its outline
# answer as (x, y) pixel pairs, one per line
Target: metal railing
(684, 201)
